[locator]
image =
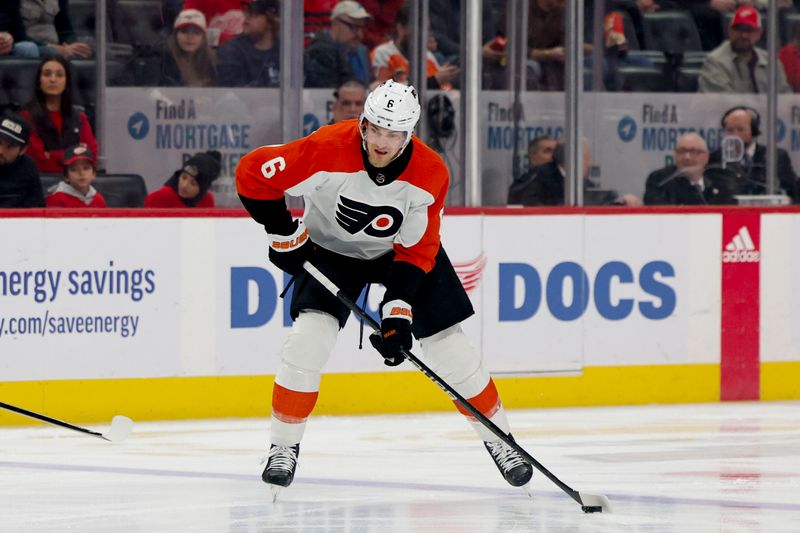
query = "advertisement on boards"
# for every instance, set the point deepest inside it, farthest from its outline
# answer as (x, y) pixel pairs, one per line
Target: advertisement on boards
(198, 297)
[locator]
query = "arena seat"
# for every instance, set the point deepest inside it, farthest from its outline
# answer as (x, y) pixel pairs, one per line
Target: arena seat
(17, 81)
(687, 79)
(118, 190)
(84, 81)
(139, 22)
(82, 16)
(671, 31)
(640, 79)
(49, 181)
(122, 190)
(790, 26)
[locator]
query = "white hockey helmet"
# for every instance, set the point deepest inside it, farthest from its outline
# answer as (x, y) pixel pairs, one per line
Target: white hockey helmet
(393, 106)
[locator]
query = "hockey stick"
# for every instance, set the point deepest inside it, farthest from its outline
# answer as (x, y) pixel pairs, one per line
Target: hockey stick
(120, 425)
(590, 503)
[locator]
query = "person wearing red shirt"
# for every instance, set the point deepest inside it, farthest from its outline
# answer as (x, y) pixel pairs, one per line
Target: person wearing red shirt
(57, 124)
(188, 186)
(790, 57)
(76, 190)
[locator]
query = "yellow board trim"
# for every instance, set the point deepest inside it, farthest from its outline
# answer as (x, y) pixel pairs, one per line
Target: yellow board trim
(780, 381)
(81, 401)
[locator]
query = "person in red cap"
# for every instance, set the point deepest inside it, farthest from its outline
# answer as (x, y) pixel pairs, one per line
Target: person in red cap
(76, 190)
(737, 65)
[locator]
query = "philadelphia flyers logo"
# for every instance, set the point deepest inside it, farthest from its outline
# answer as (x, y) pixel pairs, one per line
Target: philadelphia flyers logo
(376, 221)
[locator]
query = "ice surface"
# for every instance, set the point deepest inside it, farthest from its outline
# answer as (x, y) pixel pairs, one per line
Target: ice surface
(692, 468)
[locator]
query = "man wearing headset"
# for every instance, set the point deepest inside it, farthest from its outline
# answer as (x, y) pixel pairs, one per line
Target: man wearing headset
(749, 173)
(374, 195)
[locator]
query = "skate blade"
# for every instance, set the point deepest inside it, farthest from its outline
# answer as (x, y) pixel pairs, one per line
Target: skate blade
(276, 490)
(528, 490)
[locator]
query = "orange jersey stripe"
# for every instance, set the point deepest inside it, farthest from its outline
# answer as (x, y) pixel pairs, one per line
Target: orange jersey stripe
(291, 406)
(487, 402)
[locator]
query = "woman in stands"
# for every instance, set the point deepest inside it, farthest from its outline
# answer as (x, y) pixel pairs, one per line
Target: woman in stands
(57, 123)
(185, 60)
(188, 186)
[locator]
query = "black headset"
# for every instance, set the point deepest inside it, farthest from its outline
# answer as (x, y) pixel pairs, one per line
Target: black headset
(441, 116)
(755, 118)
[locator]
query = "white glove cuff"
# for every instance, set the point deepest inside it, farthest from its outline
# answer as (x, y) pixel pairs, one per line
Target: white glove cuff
(397, 309)
(289, 243)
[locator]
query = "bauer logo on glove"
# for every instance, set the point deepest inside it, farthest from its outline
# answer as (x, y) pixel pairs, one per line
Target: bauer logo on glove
(289, 252)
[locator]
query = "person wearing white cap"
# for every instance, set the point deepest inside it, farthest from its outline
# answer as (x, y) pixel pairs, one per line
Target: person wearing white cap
(338, 54)
(185, 60)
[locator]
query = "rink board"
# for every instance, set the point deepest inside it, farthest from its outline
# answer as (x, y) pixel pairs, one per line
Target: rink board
(165, 317)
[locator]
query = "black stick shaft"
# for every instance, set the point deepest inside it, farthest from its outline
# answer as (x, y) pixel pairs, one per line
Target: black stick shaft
(49, 420)
(491, 426)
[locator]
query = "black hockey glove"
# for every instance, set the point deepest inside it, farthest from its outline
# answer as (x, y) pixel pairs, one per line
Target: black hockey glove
(289, 252)
(395, 332)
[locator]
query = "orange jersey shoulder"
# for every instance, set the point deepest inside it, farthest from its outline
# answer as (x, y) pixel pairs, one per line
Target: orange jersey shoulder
(268, 171)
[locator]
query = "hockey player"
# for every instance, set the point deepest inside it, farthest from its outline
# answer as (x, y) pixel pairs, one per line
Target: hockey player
(374, 195)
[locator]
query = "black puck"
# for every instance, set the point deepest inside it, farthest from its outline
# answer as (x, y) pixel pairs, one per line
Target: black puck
(592, 509)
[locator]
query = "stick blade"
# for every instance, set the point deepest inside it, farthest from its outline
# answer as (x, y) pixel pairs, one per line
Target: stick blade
(594, 503)
(121, 427)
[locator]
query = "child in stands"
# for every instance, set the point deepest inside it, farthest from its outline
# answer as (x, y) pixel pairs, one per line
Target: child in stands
(76, 190)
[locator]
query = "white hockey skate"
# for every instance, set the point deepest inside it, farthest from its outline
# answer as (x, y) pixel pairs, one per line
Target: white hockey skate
(281, 464)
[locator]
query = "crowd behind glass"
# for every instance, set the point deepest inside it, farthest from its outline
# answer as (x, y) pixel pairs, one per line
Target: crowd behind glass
(48, 52)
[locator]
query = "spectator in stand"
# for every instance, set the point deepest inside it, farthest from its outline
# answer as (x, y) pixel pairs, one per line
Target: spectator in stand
(338, 54)
(790, 58)
(737, 65)
(57, 124)
(749, 174)
(445, 17)
(389, 59)
(546, 45)
(252, 59)
(383, 14)
(79, 173)
(545, 186)
(19, 179)
(184, 60)
(540, 152)
(709, 15)
(225, 18)
(188, 186)
(316, 18)
(689, 181)
(349, 101)
(47, 23)
(13, 39)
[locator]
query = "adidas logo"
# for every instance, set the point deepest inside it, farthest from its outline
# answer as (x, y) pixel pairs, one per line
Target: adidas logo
(741, 249)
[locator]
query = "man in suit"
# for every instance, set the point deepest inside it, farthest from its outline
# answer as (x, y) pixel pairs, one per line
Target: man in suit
(750, 172)
(689, 181)
(544, 184)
